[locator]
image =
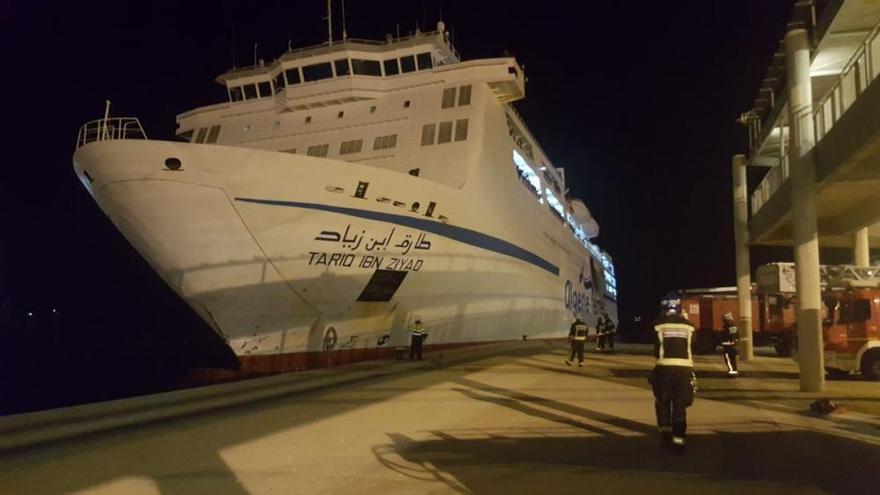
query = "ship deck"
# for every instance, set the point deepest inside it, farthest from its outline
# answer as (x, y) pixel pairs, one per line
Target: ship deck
(502, 418)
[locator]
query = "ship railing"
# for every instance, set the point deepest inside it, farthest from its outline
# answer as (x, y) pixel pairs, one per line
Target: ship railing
(109, 129)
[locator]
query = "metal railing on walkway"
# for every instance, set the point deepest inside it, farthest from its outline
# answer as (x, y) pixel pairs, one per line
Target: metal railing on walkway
(858, 73)
(110, 129)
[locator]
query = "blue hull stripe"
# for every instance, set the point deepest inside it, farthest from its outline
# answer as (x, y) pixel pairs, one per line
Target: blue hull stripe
(467, 236)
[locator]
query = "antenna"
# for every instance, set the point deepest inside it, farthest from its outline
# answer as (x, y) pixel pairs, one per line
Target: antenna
(344, 34)
(255, 54)
(233, 46)
(329, 23)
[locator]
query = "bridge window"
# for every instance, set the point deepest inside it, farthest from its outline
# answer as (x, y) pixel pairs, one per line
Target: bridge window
(464, 95)
(200, 137)
(265, 89)
(349, 147)
(319, 150)
(213, 134)
(279, 82)
(428, 131)
(391, 68)
(366, 67)
(250, 91)
(424, 61)
(448, 98)
(407, 64)
(445, 133)
(292, 76)
(342, 67)
(316, 72)
(235, 94)
(461, 129)
(385, 142)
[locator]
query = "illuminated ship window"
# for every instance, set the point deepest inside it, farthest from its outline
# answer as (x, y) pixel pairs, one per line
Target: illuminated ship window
(341, 67)
(366, 67)
(464, 95)
(461, 129)
(349, 147)
(391, 68)
(265, 89)
(319, 150)
(527, 176)
(445, 134)
(428, 131)
(448, 98)
(424, 60)
(554, 203)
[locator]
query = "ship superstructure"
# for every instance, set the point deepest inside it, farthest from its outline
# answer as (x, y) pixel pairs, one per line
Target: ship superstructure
(345, 188)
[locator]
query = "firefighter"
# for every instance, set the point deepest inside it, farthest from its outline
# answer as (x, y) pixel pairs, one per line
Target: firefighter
(417, 336)
(728, 344)
(577, 336)
(672, 380)
(605, 327)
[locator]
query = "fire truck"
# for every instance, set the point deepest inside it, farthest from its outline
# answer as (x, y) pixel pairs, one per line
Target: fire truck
(773, 317)
(850, 313)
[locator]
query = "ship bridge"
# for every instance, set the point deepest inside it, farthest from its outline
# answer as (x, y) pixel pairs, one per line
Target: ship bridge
(355, 70)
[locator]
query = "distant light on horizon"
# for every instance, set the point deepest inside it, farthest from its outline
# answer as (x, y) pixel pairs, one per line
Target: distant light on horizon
(30, 313)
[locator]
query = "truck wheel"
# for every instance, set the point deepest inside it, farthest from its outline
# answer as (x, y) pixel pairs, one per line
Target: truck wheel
(871, 365)
(783, 349)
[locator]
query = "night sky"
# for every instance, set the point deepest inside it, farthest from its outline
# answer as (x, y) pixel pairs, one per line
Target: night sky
(636, 100)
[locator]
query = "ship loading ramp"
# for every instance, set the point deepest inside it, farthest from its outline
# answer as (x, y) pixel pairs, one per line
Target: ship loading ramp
(814, 129)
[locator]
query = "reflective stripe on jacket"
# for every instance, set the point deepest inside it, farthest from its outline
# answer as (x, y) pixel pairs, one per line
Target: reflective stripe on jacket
(672, 347)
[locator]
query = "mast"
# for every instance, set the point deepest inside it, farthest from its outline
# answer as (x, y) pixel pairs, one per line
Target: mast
(329, 23)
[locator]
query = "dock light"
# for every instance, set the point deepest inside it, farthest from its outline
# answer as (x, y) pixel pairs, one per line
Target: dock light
(30, 313)
(54, 310)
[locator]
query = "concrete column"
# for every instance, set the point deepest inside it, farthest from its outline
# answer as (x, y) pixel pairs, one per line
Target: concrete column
(861, 248)
(743, 270)
(803, 209)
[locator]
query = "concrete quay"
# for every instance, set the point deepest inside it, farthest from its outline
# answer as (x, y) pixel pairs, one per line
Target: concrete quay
(502, 418)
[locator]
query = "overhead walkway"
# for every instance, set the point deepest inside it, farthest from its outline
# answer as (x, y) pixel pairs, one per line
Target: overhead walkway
(815, 130)
(844, 69)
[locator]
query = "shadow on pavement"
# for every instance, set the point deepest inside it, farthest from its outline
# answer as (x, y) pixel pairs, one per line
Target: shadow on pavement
(513, 460)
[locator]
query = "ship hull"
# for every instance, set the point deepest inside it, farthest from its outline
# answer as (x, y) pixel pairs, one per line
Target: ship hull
(298, 262)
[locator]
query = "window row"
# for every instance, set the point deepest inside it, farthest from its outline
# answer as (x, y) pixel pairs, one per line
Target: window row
(350, 147)
(206, 135)
(327, 70)
(443, 132)
(464, 96)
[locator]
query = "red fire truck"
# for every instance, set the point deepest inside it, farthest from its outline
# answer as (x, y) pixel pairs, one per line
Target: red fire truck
(773, 317)
(850, 313)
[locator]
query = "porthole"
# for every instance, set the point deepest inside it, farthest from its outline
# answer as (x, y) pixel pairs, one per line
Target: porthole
(172, 163)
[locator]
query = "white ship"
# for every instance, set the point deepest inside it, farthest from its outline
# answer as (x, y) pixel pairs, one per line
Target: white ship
(344, 189)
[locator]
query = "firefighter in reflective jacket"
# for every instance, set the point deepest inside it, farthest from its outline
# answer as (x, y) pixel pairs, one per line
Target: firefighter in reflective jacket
(672, 380)
(728, 344)
(417, 336)
(577, 336)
